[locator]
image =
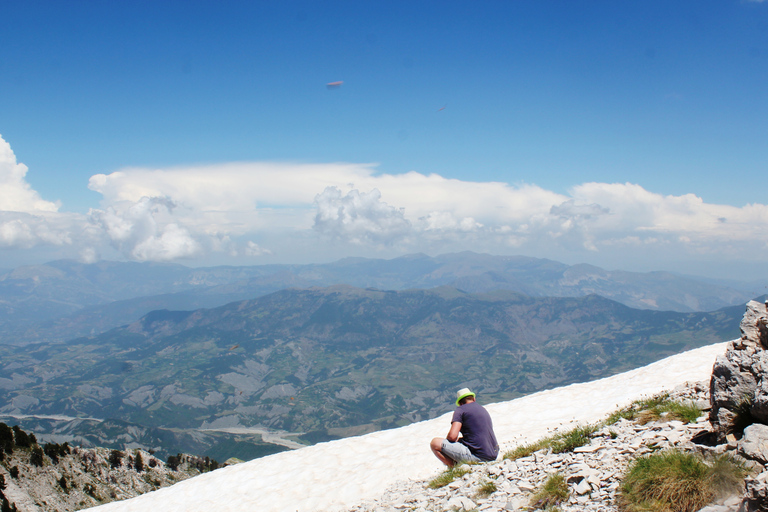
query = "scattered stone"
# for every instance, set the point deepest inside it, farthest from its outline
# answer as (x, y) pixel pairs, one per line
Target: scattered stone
(593, 472)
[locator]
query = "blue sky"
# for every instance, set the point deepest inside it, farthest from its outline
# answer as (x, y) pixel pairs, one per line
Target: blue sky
(628, 135)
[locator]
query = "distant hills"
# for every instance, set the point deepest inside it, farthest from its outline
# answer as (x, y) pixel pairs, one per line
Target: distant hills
(335, 361)
(62, 300)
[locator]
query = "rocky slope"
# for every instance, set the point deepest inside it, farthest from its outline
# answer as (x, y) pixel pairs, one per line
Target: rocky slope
(593, 472)
(63, 479)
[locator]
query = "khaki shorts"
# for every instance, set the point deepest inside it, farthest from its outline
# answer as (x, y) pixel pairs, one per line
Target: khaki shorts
(457, 452)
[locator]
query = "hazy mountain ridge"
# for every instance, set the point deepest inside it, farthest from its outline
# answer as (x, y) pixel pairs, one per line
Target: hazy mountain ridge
(332, 362)
(64, 299)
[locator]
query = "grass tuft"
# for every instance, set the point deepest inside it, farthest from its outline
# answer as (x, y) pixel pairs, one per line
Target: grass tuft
(552, 493)
(558, 443)
(675, 481)
(525, 450)
(654, 408)
(742, 417)
(487, 488)
(448, 476)
(572, 439)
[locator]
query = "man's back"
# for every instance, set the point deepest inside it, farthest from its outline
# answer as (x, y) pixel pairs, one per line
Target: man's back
(477, 430)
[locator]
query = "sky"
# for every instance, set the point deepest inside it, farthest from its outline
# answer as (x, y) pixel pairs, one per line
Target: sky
(628, 135)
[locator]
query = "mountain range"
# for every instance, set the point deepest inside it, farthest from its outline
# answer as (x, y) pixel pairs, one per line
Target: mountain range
(329, 362)
(65, 299)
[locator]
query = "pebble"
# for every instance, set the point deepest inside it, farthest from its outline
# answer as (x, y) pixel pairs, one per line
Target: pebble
(593, 472)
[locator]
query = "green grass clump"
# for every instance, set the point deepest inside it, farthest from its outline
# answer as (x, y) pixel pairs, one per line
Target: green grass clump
(558, 443)
(525, 450)
(448, 476)
(652, 409)
(487, 488)
(742, 417)
(675, 481)
(572, 439)
(552, 493)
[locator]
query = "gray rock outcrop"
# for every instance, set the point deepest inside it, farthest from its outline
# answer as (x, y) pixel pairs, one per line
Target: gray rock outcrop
(739, 384)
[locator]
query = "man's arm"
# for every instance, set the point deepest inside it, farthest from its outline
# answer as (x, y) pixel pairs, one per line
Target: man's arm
(453, 434)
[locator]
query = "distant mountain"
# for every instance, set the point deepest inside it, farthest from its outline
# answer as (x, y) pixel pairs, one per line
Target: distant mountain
(337, 361)
(64, 299)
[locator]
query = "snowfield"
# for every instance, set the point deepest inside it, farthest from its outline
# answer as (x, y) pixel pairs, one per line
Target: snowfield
(338, 474)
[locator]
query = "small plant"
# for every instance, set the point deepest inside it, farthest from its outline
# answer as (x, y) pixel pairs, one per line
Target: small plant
(115, 459)
(742, 417)
(6, 439)
(487, 488)
(558, 443)
(36, 456)
(652, 409)
(675, 481)
(572, 439)
(21, 438)
(448, 476)
(174, 461)
(138, 463)
(524, 450)
(552, 493)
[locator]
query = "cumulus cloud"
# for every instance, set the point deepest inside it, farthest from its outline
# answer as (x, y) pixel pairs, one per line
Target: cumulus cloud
(145, 230)
(359, 217)
(412, 211)
(186, 212)
(16, 195)
(26, 219)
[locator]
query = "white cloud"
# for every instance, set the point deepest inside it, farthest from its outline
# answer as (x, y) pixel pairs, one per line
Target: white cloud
(186, 212)
(145, 230)
(253, 249)
(413, 211)
(16, 195)
(359, 217)
(26, 219)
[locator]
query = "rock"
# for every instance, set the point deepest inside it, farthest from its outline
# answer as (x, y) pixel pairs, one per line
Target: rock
(737, 386)
(754, 444)
(461, 503)
(516, 504)
(753, 327)
(756, 495)
(583, 487)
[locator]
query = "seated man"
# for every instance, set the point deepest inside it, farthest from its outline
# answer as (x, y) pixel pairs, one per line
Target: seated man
(477, 442)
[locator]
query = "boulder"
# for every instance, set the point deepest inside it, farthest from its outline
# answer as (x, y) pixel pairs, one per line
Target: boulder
(754, 444)
(739, 383)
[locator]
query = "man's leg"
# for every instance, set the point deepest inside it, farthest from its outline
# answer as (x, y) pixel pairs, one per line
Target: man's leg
(437, 446)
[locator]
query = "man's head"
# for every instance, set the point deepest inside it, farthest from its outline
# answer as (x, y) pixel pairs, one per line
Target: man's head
(463, 396)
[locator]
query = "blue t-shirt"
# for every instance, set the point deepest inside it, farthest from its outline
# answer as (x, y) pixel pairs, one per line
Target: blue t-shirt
(477, 430)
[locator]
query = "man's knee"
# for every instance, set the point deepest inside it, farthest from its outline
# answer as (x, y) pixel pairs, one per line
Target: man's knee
(436, 444)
